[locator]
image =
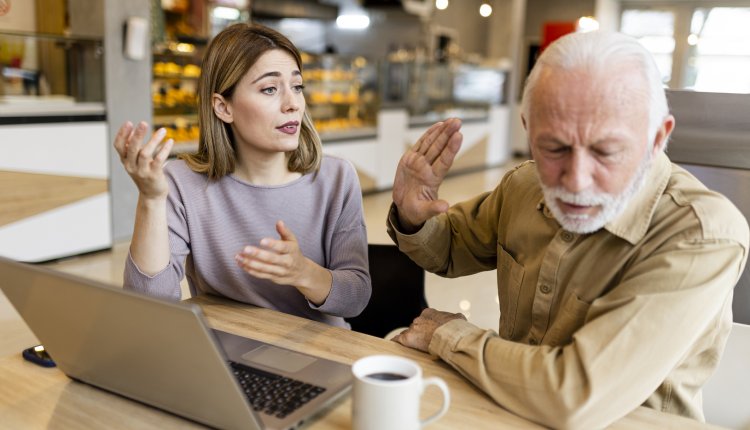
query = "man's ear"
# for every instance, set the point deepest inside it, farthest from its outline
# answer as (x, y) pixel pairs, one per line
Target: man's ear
(221, 108)
(662, 135)
(528, 141)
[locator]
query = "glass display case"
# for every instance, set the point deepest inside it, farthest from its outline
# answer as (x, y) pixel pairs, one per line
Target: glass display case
(48, 69)
(341, 94)
(174, 91)
(433, 89)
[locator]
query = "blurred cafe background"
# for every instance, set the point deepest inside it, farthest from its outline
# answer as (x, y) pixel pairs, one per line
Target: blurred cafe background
(377, 74)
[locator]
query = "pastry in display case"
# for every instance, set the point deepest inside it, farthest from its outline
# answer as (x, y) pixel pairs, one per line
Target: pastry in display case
(341, 94)
(174, 92)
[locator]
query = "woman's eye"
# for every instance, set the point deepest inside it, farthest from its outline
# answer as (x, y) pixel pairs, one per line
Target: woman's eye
(299, 88)
(269, 90)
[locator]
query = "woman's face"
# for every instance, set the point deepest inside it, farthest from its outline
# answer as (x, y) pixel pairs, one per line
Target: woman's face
(266, 108)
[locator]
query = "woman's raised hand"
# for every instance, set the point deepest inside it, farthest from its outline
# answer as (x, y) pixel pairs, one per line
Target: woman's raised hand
(144, 162)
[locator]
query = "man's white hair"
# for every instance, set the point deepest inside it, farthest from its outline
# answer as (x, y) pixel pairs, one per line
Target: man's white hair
(602, 52)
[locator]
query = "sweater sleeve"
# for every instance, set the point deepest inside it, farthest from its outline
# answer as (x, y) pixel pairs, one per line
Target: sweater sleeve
(166, 283)
(347, 261)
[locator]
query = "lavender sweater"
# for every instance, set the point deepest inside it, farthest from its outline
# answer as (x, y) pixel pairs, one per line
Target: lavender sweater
(210, 222)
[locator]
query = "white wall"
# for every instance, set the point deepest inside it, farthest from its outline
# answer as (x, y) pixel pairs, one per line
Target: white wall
(463, 16)
(500, 30)
(608, 14)
(388, 27)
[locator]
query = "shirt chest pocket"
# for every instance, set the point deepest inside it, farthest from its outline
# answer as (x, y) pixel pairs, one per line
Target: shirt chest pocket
(509, 279)
(569, 319)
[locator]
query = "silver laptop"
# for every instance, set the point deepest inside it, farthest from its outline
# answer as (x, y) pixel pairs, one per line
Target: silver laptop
(163, 353)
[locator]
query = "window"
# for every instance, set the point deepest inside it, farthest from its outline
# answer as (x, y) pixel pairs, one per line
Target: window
(698, 45)
(718, 57)
(655, 30)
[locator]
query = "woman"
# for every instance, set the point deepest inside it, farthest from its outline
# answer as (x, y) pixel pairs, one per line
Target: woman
(257, 214)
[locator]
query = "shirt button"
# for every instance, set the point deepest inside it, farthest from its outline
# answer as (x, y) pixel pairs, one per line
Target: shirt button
(532, 341)
(545, 288)
(567, 236)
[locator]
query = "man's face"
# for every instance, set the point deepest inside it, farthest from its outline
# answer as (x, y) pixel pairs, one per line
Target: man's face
(588, 136)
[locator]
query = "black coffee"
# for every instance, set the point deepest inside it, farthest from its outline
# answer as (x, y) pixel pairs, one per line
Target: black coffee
(387, 376)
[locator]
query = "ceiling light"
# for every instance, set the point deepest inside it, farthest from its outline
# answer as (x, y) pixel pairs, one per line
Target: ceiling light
(586, 24)
(441, 4)
(485, 10)
(227, 13)
(353, 22)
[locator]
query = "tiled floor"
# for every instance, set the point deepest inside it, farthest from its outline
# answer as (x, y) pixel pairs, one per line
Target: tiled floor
(475, 295)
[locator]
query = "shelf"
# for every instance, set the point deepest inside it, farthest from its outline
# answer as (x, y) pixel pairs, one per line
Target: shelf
(184, 147)
(171, 118)
(341, 95)
(349, 134)
(176, 77)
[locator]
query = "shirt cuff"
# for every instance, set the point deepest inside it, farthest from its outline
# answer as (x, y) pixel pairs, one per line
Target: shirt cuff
(420, 236)
(446, 337)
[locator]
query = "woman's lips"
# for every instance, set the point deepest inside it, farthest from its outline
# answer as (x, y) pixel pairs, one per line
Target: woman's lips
(289, 127)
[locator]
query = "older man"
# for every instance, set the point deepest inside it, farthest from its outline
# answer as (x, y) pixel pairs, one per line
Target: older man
(615, 267)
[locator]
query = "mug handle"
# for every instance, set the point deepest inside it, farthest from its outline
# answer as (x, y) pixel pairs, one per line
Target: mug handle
(438, 382)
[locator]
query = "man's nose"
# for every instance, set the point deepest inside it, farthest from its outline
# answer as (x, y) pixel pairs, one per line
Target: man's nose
(578, 175)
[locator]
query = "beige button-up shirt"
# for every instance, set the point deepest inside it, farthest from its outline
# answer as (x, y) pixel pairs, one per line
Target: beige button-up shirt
(591, 326)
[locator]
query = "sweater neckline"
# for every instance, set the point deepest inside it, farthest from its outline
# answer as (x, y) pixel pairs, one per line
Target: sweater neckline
(267, 187)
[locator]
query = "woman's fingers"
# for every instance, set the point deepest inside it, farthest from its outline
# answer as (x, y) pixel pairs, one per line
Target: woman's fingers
(262, 263)
(163, 153)
(145, 155)
(134, 142)
(284, 232)
(121, 138)
(260, 254)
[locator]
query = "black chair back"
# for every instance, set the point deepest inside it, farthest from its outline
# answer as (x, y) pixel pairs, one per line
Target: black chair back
(397, 292)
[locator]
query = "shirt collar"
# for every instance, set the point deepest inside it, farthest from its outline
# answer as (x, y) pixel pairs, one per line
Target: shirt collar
(632, 224)
(634, 220)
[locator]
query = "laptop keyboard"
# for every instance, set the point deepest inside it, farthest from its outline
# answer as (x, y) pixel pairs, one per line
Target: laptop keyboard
(273, 394)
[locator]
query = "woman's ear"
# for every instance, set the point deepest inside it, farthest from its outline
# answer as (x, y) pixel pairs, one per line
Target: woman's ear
(221, 108)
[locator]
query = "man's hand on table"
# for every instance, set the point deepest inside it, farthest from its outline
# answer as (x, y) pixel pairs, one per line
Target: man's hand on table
(419, 334)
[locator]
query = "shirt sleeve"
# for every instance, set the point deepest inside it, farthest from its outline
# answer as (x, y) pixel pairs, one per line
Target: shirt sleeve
(461, 242)
(632, 338)
(165, 284)
(348, 262)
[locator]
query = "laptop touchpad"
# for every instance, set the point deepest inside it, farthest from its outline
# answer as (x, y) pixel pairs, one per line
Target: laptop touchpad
(277, 358)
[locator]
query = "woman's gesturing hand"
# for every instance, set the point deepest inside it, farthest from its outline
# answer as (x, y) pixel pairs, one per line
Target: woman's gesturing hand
(282, 262)
(144, 162)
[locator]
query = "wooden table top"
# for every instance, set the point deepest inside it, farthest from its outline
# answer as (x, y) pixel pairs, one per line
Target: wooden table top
(32, 397)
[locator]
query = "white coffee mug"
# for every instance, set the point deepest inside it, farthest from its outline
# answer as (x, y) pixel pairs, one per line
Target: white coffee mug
(387, 392)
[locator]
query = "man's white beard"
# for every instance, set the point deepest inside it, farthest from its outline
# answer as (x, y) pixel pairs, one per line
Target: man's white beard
(610, 206)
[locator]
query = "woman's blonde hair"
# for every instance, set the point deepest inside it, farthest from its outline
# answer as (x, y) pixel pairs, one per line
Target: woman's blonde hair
(228, 58)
